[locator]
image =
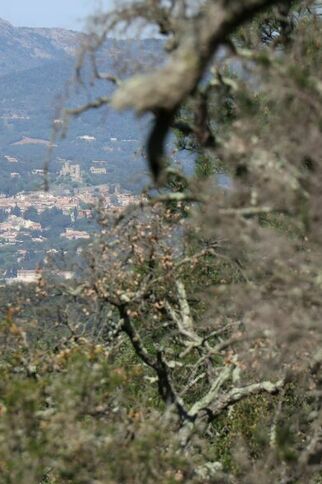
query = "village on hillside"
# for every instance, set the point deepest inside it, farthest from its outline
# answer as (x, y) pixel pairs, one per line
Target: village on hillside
(48, 211)
(36, 224)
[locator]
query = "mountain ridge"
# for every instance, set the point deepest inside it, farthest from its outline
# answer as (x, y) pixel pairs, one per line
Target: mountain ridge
(37, 68)
(25, 47)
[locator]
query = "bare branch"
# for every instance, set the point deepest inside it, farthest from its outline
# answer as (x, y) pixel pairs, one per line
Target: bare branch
(237, 394)
(158, 364)
(97, 103)
(184, 319)
(212, 394)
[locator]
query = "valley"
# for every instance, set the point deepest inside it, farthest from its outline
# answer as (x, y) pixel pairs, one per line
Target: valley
(100, 158)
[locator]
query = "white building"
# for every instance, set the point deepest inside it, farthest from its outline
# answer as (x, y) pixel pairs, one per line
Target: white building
(97, 170)
(87, 138)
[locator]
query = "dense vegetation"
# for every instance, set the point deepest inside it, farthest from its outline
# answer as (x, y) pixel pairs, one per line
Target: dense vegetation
(189, 347)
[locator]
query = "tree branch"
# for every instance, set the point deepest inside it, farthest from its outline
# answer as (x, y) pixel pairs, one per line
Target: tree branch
(163, 92)
(166, 389)
(97, 103)
(237, 394)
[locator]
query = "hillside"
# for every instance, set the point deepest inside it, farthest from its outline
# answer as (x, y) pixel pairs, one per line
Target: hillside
(23, 48)
(36, 69)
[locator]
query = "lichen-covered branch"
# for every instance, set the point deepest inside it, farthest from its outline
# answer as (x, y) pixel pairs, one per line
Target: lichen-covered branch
(163, 91)
(239, 393)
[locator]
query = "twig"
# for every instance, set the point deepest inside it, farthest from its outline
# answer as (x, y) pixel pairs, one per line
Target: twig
(97, 103)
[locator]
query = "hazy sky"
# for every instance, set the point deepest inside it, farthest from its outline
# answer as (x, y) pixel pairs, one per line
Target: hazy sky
(49, 13)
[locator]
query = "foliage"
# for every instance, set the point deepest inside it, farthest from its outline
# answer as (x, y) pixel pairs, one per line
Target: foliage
(188, 346)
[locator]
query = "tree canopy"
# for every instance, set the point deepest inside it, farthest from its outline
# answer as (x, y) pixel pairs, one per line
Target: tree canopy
(188, 348)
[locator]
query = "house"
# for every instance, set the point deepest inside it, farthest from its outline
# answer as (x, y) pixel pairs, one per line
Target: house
(11, 159)
(28, 276)
(87, 138)
(71, 234)
(97, 171)
(40, 172)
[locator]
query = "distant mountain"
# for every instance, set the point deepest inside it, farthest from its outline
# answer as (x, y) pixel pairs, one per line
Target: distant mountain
(22, 48)
(35, 67)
